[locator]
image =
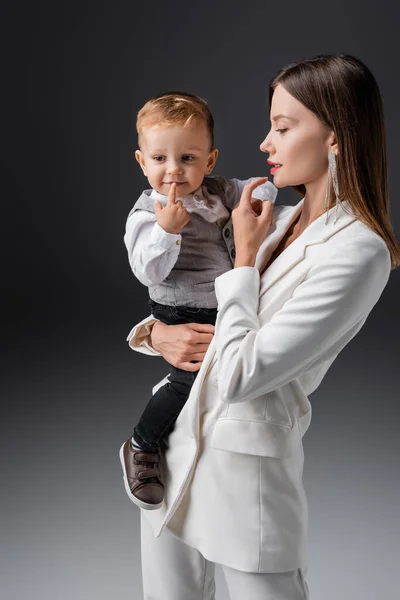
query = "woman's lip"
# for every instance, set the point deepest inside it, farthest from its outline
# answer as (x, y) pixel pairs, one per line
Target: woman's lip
(274, 169)
(273, 163)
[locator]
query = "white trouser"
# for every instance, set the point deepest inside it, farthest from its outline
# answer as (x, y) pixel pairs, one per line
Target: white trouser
(172, 570)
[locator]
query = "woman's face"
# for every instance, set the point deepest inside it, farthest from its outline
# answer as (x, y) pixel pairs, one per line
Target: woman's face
(297, 141)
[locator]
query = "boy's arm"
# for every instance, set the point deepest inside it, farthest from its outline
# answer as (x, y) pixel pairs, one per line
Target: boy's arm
(233, 189)
(152, 252)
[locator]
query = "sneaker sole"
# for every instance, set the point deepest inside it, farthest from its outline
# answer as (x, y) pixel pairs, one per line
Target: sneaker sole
(139, 503)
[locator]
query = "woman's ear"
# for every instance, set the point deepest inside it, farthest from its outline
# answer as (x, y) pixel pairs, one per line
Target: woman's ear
(332, 144)
(140, 158)
(212, 159)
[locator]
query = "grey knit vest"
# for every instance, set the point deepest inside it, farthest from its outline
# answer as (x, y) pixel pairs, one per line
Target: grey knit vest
(207, 250)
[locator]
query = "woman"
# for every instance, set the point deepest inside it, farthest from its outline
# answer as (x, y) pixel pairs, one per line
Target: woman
(304, 281)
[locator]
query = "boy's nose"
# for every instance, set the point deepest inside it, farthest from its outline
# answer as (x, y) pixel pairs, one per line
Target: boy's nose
(174, 168)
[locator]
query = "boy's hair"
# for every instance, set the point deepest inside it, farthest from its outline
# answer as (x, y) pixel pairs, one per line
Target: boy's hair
(175, 108)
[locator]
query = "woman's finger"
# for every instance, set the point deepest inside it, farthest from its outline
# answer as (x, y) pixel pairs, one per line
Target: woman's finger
(197, 356)
(199, 348)
(267, 211)
(198, 338)
(188, 366)
(204, 338)
(202, 327)
(267, 207)
(249, 188)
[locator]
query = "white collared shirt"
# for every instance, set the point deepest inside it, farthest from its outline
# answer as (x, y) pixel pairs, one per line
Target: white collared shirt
(153, 252)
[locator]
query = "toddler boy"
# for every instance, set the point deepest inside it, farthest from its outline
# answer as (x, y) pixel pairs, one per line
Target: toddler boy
(179, 239)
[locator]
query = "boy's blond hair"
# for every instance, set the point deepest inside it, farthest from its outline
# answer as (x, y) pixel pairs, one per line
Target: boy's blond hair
(175, 108)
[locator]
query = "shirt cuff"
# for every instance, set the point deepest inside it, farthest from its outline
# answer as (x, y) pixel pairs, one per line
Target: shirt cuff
(139, 337)
(233, 283)
(165, 240)
(265, 191)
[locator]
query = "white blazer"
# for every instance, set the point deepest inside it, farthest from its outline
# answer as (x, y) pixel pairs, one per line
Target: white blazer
(234, 461)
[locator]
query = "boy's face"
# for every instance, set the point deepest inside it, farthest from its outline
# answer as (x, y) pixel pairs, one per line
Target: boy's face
(176, 154)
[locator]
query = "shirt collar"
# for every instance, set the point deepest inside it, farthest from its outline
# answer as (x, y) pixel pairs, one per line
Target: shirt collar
(193, 198)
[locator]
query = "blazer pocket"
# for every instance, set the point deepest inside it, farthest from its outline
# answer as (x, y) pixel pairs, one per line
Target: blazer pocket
(252, 437)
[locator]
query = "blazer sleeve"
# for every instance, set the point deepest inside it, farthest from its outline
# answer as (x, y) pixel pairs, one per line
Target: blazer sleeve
(325, 311)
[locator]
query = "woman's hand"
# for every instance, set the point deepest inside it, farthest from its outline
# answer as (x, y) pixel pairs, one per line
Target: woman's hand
(250, 228)
(180, 344)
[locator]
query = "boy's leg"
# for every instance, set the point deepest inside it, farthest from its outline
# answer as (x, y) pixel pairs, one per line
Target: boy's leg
(163, 409)
(290, 585)
(165, 405)
(140, 456)
(140, 460)
(172, 570)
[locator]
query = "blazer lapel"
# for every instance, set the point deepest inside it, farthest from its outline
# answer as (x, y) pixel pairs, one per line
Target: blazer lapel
(283, 217)
(316, 233)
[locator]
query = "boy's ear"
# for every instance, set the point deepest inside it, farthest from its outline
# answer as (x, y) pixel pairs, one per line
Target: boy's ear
(212, 159)
(140, 158)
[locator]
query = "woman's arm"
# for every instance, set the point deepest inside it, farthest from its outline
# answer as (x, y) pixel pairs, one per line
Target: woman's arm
(324, 313)
(313, 326)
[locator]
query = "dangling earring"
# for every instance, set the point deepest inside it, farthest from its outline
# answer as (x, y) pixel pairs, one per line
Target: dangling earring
(327, 194)
(332, 162)
(332, 176)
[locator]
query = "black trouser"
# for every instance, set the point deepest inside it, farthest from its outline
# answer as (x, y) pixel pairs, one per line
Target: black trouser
(165, 405)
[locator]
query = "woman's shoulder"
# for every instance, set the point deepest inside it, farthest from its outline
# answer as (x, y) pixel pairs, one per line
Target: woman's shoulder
(362, 237)
(355, 248)
(355, 234)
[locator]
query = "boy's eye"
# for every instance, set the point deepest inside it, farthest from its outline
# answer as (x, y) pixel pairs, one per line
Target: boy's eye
(159, 158)
(281, 130)
(188, 157)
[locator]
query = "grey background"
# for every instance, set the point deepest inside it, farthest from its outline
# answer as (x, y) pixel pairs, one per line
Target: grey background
(73, 77)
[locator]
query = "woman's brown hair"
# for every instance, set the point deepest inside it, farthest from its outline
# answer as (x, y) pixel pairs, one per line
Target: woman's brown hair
(342, 92)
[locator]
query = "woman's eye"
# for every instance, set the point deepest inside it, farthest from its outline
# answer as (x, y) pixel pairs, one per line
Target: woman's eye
(281, 130)
(187, 157)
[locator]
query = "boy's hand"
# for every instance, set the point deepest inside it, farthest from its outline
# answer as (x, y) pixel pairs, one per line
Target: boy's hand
(173, 217)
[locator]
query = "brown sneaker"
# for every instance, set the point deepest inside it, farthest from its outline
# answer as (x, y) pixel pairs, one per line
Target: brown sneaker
(142, 476)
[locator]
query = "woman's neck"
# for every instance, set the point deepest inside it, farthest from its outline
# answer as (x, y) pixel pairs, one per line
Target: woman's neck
(313, 205)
